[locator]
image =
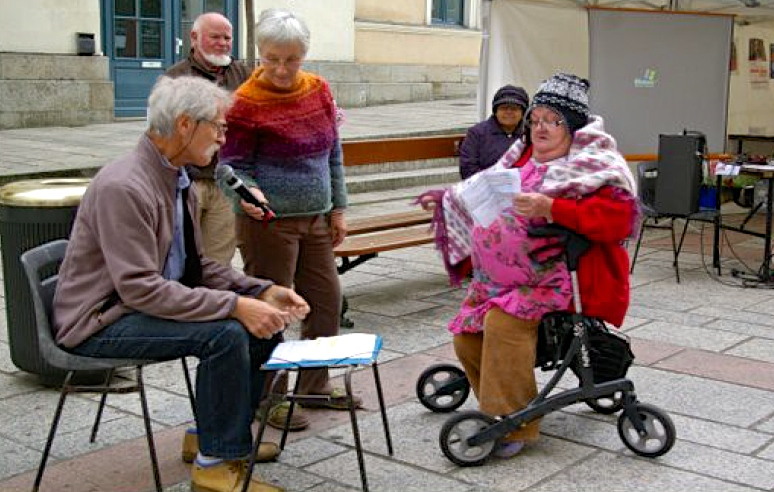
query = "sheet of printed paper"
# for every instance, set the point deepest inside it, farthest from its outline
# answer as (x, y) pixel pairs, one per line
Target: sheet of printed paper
(352, 345)
(722, 169)
(487, 194)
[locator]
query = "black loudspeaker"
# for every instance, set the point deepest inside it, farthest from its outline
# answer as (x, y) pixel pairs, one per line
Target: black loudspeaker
(680, 160)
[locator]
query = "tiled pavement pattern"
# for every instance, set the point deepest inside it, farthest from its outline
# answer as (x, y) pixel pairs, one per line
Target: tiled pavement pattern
(704, 347)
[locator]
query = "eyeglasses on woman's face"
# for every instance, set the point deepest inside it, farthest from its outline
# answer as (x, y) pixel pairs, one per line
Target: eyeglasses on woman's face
(550, 123)
(275, 62)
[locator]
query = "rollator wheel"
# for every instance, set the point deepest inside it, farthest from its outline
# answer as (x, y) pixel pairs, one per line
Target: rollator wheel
(658, 436)
(455, 433)
(606, 405)
(442, 388)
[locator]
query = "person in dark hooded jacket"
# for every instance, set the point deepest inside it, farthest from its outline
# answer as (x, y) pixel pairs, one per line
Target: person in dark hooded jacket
(487, 141)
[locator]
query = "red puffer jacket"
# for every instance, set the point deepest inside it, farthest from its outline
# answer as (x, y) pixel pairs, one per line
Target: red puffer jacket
(606, 218)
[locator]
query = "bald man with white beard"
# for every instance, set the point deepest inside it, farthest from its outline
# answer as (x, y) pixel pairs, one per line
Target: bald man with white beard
(210, 58)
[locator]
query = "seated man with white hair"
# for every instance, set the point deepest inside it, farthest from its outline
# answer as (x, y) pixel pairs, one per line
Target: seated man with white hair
(134, 282)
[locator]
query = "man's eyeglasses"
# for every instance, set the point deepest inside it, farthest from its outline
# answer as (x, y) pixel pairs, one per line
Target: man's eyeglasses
(220, 128)
(550, 124)
(291, 63)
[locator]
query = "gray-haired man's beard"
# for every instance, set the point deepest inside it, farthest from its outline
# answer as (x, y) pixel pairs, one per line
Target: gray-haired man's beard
(217, 60)
(211, 151)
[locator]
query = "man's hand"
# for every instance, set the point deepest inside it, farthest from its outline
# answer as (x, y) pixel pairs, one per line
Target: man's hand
(250, 209)
(287, 301)
(260, 318)
(338, 227)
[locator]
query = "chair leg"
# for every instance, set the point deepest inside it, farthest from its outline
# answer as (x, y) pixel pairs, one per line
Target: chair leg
(637, 248)
(344, 321)
(189, 387)
(674, 249)
(148, 430)
(679, 248)
(264, 423)
(355, 428)
(101, 408)
(382, 408)
(291, 407)
(52, 432)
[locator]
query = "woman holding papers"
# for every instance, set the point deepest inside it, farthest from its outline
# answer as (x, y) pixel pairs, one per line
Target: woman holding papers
(570, 174)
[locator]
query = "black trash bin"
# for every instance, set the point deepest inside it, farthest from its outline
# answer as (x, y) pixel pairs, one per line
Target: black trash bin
(33, 212)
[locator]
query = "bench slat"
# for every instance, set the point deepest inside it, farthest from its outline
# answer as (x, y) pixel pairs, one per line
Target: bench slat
(384, 241)
(366, 225)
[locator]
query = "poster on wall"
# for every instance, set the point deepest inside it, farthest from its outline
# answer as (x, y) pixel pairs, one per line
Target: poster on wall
(771, 60)
(732, 61)
(759, 64)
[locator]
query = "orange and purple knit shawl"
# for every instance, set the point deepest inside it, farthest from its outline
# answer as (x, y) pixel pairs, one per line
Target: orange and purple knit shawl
(265, 121)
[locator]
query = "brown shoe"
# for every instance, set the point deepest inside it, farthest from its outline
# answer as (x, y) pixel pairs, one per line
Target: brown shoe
(279, 413)
(226, 476)
(336, 400)
(267, 451)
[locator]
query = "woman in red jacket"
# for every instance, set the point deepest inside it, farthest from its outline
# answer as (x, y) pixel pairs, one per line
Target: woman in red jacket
(571, 174)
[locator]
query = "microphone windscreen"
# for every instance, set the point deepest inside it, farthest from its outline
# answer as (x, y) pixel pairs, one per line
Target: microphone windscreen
(224, 172)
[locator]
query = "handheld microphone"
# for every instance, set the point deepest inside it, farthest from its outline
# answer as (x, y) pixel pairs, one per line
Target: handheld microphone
(226, 174)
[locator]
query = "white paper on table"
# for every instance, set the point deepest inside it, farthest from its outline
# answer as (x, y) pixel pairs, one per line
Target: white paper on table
(341, 347)
(485, 195)
(722, 169)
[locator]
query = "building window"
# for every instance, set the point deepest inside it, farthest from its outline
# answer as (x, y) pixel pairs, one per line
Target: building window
(448, 12)
(138, 26)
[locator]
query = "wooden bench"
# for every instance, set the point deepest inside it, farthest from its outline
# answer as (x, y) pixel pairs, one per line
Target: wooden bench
(388, 221)
(369, 236)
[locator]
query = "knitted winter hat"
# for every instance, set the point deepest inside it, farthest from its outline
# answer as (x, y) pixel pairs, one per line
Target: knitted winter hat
(510, 94)
(566, 94)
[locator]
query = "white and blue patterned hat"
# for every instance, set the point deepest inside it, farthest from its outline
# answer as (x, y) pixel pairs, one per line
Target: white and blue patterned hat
(566, 94)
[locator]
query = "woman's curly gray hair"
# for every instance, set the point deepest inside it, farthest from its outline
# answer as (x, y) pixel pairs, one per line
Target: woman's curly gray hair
(280, 26)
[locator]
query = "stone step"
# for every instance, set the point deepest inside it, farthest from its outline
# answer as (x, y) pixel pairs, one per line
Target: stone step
(390, 167)
(359, 94)
(357, 85)
(401, 179)
(404, 194)
(372, 203)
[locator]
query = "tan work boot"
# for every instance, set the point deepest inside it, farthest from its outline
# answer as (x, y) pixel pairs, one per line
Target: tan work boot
(279, 412)
(267, 451)
(226, 476)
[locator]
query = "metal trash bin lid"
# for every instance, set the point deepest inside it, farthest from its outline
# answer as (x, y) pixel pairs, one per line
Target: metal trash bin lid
(47, 192)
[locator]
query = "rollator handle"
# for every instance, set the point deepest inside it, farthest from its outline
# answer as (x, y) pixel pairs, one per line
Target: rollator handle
(575, 244)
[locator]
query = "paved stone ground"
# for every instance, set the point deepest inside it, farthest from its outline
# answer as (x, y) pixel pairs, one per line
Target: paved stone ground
(704, 354)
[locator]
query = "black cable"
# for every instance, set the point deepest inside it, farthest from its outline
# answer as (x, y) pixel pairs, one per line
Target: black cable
(710, 271)
(187, 143)
(757, 282)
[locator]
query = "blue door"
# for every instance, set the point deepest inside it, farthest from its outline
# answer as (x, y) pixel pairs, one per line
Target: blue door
(144, 37)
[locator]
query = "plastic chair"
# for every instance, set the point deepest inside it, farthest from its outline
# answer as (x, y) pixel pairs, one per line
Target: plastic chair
(350, 363)
(647, 176)
(37, 262)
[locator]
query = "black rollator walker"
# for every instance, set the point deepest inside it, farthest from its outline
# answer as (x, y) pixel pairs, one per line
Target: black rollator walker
(599, 357)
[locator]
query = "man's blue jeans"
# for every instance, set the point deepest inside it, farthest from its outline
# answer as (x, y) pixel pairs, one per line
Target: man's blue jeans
(228, 379)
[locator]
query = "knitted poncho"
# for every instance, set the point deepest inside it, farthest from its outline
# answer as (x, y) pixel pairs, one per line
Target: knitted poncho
(286, 143)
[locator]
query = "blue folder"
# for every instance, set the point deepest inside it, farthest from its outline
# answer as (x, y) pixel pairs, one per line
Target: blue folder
(366, 354)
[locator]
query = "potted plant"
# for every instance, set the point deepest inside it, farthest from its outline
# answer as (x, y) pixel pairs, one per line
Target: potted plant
(708, 189)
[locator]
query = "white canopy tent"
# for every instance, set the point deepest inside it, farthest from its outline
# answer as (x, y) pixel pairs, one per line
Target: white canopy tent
(526, 41)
